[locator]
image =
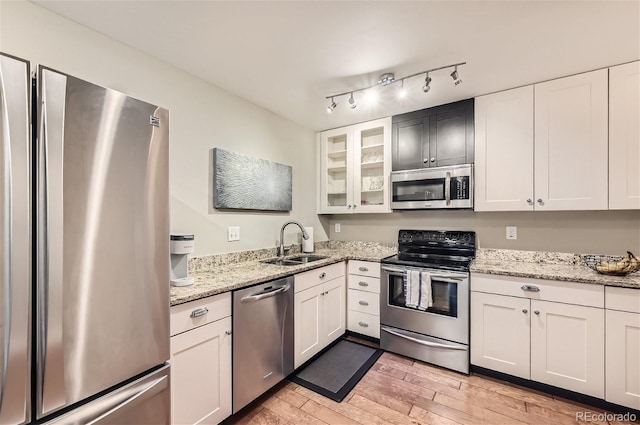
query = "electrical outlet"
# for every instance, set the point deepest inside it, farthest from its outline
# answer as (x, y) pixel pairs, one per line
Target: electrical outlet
(233, 234)
(336, 227)
(512, 232)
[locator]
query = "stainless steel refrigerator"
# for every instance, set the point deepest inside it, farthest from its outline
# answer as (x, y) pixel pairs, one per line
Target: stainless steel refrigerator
(84, 256)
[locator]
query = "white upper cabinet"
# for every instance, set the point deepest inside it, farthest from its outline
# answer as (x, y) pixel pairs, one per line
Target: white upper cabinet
(624, 136)
(504, 151)
(354, 167)
(571, 152)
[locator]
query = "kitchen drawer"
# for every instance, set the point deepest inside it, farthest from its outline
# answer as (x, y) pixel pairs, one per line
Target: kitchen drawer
(591, 295)
(311, 278)
(363, 323)
(205, 311)
(364, 268)
(363, 283)
(366, 302)
(623, 299)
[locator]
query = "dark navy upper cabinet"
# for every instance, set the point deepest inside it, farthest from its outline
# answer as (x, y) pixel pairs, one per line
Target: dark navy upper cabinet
(433, 137)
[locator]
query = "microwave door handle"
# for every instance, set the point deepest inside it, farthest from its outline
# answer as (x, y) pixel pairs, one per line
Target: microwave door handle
(447, 188)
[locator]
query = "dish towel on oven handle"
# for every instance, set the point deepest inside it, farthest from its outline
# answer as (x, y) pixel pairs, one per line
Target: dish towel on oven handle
(417, 289)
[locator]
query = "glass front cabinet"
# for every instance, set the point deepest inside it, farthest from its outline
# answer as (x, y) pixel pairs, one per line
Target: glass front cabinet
(354, 167)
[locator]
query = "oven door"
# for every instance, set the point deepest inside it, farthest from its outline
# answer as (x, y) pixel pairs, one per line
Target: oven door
(447, 319)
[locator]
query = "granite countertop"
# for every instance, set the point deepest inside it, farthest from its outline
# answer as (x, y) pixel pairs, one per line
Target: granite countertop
(212, 280)
(546, 265)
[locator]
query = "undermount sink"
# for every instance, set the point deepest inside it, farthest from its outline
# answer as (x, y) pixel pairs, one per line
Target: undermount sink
(296, 260)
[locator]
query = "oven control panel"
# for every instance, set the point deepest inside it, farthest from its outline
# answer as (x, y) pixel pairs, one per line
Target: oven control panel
(429, 237)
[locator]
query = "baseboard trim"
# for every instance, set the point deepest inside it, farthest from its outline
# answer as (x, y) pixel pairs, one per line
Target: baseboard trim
(560, 392)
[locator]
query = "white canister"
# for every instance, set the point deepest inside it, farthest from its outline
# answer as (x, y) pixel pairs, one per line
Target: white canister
(307, 244)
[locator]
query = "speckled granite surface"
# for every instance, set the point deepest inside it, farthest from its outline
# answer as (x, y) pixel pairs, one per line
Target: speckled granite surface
(225, 272)
(546, 265)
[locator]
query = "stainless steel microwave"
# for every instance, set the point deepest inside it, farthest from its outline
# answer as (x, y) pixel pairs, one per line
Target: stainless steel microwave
(433, 188)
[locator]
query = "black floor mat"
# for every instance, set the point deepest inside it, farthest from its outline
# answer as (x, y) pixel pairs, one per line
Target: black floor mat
(338, 369)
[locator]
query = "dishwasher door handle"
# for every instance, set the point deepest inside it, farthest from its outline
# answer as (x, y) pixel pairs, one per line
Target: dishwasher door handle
(252, 298)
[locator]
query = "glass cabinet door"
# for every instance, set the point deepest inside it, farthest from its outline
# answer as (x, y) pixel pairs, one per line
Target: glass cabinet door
(336, 170)
(372, 166)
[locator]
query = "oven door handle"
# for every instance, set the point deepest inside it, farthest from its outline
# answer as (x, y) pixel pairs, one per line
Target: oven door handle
(421, 342)
(392, 270)
(432, 275)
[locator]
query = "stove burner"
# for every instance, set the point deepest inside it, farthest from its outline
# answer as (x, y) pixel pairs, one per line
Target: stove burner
(448, 250)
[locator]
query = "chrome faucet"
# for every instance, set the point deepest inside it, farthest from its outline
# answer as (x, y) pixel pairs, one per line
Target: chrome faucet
(281, 248)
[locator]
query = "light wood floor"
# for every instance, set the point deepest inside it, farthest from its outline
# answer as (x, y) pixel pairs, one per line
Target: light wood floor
(398, 390)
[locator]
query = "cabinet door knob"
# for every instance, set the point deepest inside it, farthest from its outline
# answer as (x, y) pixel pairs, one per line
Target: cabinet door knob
(349, 206)
(363, 303)
(363, 324)
(529, 201)
(354, 206)
(433, 160)
(539, 200)
(536, 311)
(323, 275)
(426, 160)
(525, 311)
(363, 283)
(228, 332)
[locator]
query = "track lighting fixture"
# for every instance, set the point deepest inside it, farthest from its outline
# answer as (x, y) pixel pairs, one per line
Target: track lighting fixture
(352, 102)
(331, 107)
(454, 75)
(427, 81)
(389, 78)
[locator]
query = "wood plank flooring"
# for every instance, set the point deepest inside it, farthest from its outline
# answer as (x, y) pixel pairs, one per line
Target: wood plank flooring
(401, 391)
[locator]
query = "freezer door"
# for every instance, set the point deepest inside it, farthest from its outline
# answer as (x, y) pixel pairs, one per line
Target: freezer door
(145, 401)
(15, 241)
(103, 239)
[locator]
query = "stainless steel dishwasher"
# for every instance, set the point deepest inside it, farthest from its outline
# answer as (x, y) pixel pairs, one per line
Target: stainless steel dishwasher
(262, 338)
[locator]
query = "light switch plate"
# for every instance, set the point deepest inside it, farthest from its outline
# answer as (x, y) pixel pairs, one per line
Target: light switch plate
(512, 232)
(233, 234)
(336, 227)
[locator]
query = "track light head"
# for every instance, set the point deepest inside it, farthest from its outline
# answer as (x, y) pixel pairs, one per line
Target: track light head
(454, 75)
(386, 79)
(427, 82)
(331, 107)
(352, 102)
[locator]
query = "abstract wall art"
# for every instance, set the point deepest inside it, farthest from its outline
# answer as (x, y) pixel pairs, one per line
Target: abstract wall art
(244, 182)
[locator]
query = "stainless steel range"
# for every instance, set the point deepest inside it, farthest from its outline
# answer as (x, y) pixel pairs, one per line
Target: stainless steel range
(424, 299)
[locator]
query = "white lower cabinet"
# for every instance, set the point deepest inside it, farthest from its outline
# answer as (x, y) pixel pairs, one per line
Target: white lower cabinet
(500, 333)
(319, 312)
(363, 298)
(622, 317)
(567, 347)
(547, 331)
(201, 362)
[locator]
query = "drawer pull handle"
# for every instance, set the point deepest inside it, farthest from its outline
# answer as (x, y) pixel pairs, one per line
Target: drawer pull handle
(531, 288)
(363, 269)
(199, 312)
(363, 324)
(363, 284)
(363, 303)
(228, 332)
(323, 275)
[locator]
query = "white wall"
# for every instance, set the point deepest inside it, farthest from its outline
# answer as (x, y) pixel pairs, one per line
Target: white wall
(202, 117)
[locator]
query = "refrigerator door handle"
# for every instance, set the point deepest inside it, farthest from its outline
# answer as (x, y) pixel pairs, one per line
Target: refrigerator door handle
(50, 357)
(7, 199)
(102, 410)
(143, 394)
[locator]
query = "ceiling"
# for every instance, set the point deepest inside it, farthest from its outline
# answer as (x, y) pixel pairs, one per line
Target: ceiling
(286, 56)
